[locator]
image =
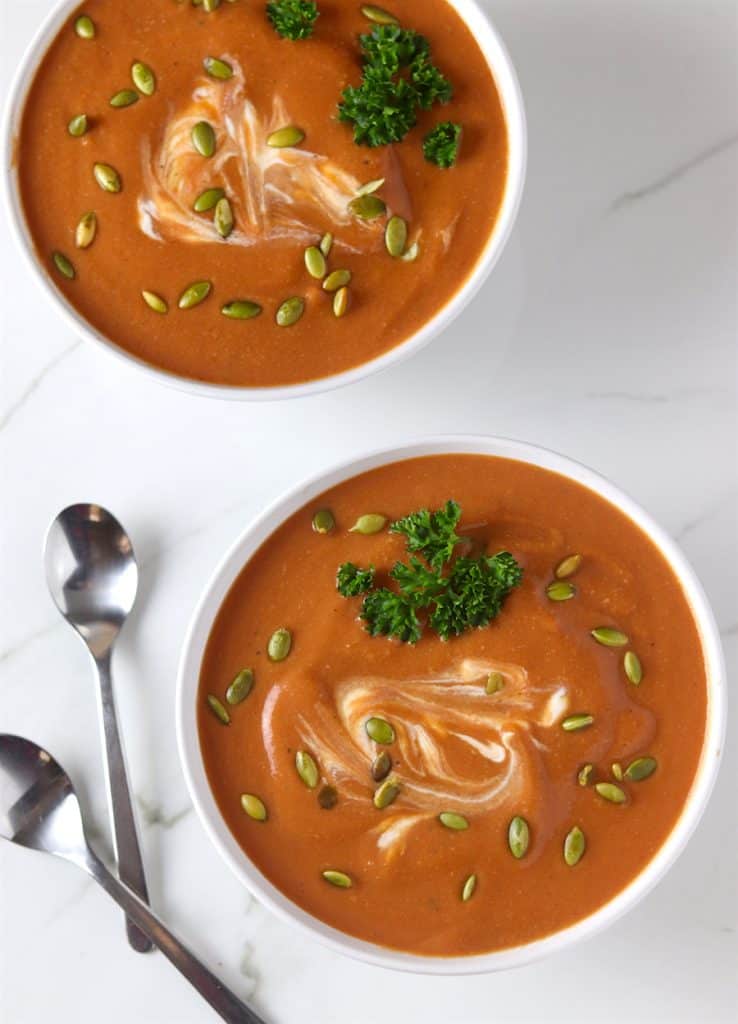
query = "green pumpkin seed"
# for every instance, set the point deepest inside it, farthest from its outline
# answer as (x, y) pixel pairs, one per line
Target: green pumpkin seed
(386, 794)
(84, 236)
(218, 68)
(203, 138)
(633, 668)
(315, 262)
(210, 5)
(208, 200)
(254, 807)
(336, 279)
(241, 686)
(78, 126)
(241, 309)
(467, 889)
(369, 187)
(379, 731)
(411, 253)
(143, 78)
(609, 791)
(290, 311)
(640, 769)
(456, 822)
(617, 771)
(338, 878)
(369, 524)
(378, 15)
(155, 302)
(341, 302)
(367, 207)
(609, 637)
(568, 567)
(64, 265)
(223, 218)
(381, 766)
(291, 135)
(124, 98)
(218, 710)
(84, 26)
(327, 798)
(307, 769)
(326, 244)
(395, 236)
(518, 837)
(560, 590)
(584, 776)
(194, 294)
(323, 521)
(107, 178)
(576, 722)
(495, 682)
(574, 846)
(280, 644)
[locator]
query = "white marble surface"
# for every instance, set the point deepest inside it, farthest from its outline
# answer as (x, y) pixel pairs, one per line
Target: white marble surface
(607, 332)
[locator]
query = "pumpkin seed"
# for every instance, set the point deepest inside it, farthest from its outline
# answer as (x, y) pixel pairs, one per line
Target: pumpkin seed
(155, 302)
(411, 253)
(369, 524)
(576, 722)
(241, 686)
(617, 771)
(326, 243)
(84, 26)
(560, 590)
(379, 731)
(323, 521)
(208, 200)
(107, 177)
(518, 837)
(338, 878)
(64, 265)
(574, 846)
(341, 302)
(280, 644)
(291, 135)
(315, 262)
(378, 15)
(210, 5)
(143, 78)
(336, 279)
(290, 311)
(495, 682)
(124, 98)
(367, 207)
(223, 218)
(307, 769)
(84, 236)
(640, 769)
(386, 794)
(568, 566)
(456, 822)
(194, 294)
(78, 126)
(203, 138)
(254, 807)
(327, 798)
(633, 668)
(584, 776)
(381, 766)
(218, 68)
(609, 791)
(369, 187)
(241, 309)
(467, 889)
(218, 710)
(395, 236)
(609, 637)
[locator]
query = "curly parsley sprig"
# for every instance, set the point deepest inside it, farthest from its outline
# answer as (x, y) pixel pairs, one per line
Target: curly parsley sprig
(441, 145)
(293, 19)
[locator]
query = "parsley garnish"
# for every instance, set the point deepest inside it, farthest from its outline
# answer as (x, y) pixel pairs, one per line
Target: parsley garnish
(441, 146)
(452, 596)
(398, 79)
(293, 19)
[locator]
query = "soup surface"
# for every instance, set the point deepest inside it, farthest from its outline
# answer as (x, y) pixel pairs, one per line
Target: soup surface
(279, 199)
(520, 734)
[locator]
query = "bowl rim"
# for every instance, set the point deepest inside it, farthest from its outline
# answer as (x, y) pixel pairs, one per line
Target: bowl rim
(239, 554)
(490, 43)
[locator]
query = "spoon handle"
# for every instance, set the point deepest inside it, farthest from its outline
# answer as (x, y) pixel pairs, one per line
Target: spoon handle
(125, 838)
(222, 1000)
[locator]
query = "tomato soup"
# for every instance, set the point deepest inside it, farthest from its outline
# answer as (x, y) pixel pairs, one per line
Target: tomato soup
(239, 207)
(500, 765)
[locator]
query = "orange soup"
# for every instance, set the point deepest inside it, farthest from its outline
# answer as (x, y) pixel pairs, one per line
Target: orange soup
(509, 750)
(234, 205)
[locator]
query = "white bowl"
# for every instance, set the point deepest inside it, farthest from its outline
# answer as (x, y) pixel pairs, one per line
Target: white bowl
(512, 102)
(249, 874)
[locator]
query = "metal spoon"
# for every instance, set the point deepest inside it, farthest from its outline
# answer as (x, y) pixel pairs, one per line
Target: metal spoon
(39, 810)
(92, 575)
